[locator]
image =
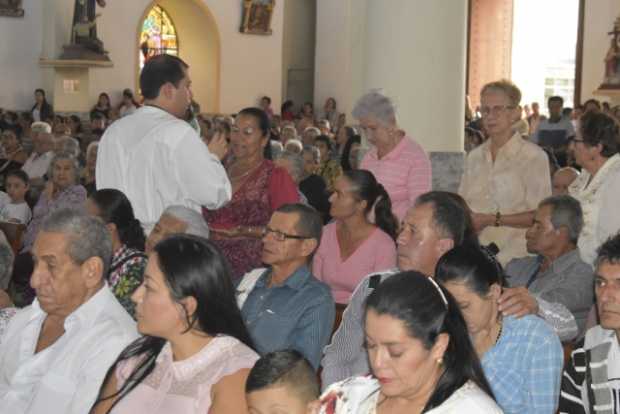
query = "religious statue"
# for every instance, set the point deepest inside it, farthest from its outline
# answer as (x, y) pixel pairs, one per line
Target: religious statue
(84, 41)
(612, 60)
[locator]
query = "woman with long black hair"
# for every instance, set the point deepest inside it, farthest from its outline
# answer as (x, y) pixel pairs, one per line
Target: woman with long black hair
(522, 358)
(420, 354)
(41, 111)
(128, 260)
(360, 240)
(195, 354)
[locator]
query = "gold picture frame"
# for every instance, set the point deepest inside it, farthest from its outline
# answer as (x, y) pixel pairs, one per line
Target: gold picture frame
(257, 16)
(11, 8)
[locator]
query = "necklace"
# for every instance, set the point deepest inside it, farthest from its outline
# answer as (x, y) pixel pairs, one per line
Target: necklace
(499, 333)
(239, 176)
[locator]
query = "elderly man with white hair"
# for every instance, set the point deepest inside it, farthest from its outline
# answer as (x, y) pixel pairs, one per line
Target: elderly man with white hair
(396, 160)
(177, 219)
(38, 163)
(55, 353)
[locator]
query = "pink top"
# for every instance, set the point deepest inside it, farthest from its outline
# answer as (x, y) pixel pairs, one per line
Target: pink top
(183, 386)
(405, 172)
(376, 253)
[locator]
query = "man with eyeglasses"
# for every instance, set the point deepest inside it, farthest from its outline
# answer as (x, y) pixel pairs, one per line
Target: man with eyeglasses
(284, 306)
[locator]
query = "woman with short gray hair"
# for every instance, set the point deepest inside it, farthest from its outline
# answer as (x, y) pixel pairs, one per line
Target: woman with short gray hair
(62, 190)
(397, 161)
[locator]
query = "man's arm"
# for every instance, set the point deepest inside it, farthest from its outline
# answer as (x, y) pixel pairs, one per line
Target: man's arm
(200, 174)
(346, 351)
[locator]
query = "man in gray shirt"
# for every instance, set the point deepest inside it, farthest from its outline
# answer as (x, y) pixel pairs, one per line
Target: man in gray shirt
(435, 224)
(556, 277)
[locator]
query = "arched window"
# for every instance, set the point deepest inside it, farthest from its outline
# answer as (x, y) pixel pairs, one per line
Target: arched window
(158, 36)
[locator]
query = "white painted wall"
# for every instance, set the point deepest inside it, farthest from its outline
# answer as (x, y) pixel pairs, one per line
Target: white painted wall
(598, 20)
(20, 49)
(250, 66)
(412, 49)
(298, 46)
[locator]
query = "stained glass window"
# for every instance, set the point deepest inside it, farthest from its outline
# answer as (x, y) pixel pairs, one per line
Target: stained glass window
(158, 36)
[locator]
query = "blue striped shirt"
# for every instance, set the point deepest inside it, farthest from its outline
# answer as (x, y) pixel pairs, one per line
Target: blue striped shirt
(298, 314)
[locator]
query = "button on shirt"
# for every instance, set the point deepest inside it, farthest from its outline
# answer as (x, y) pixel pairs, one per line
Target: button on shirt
(405, 172)
(65, 377)
(515, 182)
(297, 314)
(158, 160)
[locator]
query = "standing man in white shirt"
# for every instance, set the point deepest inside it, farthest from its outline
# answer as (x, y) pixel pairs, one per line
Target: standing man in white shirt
(55, 353)
(155, 157)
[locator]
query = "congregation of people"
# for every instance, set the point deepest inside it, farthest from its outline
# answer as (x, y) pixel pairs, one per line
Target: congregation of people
(155, 259)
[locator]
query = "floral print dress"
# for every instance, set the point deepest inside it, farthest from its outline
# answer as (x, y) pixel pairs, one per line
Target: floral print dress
(126, 274)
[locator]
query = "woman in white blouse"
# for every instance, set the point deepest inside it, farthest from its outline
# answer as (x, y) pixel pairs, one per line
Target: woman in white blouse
(596, 148)
(420, 354)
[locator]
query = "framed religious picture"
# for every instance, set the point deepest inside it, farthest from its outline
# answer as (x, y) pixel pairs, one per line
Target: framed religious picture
(256, 17)
(11, 8)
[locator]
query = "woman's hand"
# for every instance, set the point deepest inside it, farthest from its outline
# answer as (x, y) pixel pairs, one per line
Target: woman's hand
(218, 145)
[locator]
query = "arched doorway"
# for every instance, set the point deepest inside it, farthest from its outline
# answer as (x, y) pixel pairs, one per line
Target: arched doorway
(197, 43)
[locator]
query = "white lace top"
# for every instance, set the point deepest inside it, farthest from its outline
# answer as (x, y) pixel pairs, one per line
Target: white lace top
(184, 386)
(360, 395)
(600, 201)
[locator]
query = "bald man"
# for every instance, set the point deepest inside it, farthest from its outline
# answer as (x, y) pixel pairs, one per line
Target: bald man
(562, 179)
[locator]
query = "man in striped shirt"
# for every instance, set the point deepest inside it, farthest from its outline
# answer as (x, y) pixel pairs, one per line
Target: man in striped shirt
(435, 224)
(591, 379)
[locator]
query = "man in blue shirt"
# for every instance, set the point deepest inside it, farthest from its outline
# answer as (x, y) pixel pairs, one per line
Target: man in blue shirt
(288, 308)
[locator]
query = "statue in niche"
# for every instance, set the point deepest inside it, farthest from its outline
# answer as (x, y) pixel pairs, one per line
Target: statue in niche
(84, 41)
(612, 60)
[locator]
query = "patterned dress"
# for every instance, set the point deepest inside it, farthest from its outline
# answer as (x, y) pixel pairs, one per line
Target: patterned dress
(126, 274)
(251, 205)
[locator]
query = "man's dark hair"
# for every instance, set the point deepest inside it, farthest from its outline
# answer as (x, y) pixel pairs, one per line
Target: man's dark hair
(556, 99)
(284, 369)
(450, 218)
(309, 223)
(158, 71)
(609, 252)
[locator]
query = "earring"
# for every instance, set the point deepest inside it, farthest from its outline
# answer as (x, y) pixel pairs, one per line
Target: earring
(439, 361)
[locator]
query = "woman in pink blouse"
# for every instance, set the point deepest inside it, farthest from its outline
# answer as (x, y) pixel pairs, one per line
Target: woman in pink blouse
(354, 244)
(195, 354)
(398, 162)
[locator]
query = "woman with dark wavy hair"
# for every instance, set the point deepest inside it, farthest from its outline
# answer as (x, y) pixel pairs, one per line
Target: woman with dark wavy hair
(128, 260)
(360, 240)
(420, 355)
(195, 354)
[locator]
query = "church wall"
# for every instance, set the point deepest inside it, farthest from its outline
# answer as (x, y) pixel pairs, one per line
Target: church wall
(20, 50)
(250, 66)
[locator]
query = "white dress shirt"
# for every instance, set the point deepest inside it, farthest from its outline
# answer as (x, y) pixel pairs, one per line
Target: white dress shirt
(65, 377)
(36, 165)
(158, 160)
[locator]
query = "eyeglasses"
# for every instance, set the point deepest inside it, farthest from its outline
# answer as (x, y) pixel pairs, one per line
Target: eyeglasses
(576, 140)
(280, 236)
(495, 110)
(247, 131)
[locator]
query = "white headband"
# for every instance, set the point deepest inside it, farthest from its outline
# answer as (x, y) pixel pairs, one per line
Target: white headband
(443, 297)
